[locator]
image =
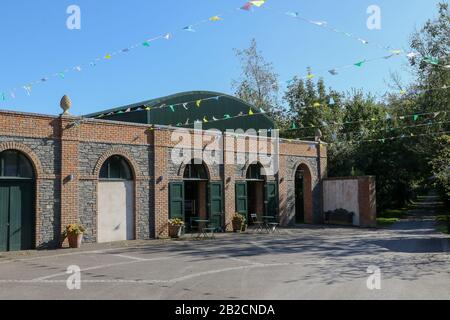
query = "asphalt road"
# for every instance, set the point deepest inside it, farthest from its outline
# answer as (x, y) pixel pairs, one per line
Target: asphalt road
(303, 263)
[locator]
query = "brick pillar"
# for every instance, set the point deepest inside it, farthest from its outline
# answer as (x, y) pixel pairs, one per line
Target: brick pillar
(229, 181)
(70, 136)
(284, 214)
(161, 139)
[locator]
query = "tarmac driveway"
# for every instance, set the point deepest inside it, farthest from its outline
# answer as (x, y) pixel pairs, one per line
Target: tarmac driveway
(301, 263)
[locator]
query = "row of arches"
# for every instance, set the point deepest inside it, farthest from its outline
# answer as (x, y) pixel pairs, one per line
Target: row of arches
(197, 196)
(18, 188)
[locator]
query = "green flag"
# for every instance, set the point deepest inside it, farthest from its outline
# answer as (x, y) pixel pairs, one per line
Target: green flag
(360, 63)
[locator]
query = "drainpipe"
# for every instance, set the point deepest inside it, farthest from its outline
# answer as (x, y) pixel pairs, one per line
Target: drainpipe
(319, 177)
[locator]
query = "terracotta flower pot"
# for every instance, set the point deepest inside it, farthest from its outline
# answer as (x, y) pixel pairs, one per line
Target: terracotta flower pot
(75, 240)
(176, 231)
(237, 226)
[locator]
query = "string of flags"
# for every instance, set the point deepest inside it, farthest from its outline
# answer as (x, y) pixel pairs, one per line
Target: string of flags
(401, 137)
(27, 88)
(362, 132)
(388, 117)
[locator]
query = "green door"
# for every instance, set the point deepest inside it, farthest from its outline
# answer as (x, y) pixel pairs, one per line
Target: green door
(176, 200)
(241, 198)
(272, 199)
(216, 204)
(16, 215)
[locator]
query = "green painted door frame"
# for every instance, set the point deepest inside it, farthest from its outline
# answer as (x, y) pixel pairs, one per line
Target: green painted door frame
(17, 217)
(176, 200)
(241, 198)
(272, 199)
(216, 204)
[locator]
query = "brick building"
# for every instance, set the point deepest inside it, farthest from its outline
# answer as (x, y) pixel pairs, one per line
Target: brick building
(113, 172)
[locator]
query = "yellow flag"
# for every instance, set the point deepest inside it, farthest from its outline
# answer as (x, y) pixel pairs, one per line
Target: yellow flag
(317, 104)
(198, 103)
(250, 113)
(215, 18)
(310, 76)
(108, 56)
(258, 3)
(205, 120)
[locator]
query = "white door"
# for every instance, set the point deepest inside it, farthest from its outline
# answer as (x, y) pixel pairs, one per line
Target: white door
(115, 211)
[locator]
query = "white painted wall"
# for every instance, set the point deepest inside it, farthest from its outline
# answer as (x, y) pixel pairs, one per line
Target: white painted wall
(115, 211)
(341, 194)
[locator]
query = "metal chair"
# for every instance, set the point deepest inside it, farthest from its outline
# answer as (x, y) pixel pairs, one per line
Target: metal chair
(258, 225)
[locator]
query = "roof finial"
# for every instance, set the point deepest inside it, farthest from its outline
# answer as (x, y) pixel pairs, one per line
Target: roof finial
(65, 104)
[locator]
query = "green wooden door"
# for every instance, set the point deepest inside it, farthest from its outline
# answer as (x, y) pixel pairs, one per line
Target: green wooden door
(216, 204)
(241, 198)
(4, 216)
(272, 199)
(176, 200)
(16, 215)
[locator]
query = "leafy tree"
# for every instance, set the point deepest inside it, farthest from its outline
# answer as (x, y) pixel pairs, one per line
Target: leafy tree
(258, 83)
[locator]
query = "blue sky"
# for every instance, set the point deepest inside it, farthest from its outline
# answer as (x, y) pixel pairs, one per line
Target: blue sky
(35, 42)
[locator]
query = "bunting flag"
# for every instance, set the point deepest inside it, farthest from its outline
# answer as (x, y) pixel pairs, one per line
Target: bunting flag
(198, 103)
(205, 120)
(310, 76)
(172, 108)
(215, 18)
(108, 56)
(146, 44)
(262, 110)
(293, 14)
(317, 104)
(246, 6)
(189, 28)
(227, 116)
(185, 106)
(2, 96)
(431, 60)
(294, 125)
(416, 117)
(250, 112)
(258, 3)
(331, 102)
(360, 63)
(333, 72)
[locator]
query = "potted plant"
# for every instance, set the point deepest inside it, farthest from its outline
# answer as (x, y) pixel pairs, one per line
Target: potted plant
(176, 228)
(74, 233)
(238, 222)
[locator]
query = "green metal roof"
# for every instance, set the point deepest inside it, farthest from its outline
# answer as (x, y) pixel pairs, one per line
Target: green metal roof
(182, 110)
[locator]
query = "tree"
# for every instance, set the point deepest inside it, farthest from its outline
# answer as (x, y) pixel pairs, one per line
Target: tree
(258, 83)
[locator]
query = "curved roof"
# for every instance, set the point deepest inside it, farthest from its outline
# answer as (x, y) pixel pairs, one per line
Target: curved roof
(213, 109)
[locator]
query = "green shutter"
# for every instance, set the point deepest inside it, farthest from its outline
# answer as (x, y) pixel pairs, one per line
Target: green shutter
(4, 213)
(216, 204)
(241, 198)
(176, 200)
(272, 199)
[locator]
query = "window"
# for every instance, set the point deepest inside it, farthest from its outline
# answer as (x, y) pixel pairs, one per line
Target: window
(13, 164)
(116, 168)
(254, 172)
(195, 171)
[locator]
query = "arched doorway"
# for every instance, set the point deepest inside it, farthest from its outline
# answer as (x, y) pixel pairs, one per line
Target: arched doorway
(256, 180)
(303, 195)
(195, 180)
(17, 197)
(115, 221)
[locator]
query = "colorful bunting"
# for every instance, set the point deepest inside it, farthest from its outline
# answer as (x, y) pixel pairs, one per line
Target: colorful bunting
(189, 28)
(205, 120)
(227, 116)
(215, 18)
(360, 63)
(415, 117)
(108, 56)
(262, 110)
(146, 44)
(258, 3)
(198, 103)
(172, 108)
(246, 6)
(333, 72)
(185, 106)
(250, 112)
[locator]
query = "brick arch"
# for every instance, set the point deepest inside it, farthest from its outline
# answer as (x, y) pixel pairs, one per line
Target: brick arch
(35, 162)
(307, 189)
(182, 167)
(117, 152)
(248, 164)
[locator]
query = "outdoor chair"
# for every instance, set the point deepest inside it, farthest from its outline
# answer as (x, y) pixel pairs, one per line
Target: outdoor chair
(258, 224)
